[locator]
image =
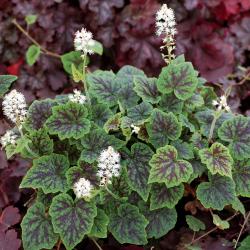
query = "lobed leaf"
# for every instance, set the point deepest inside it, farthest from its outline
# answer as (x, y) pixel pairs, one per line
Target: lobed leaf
(184, 149)
(37, 230)
(39, 143)
(161, 221)
(103, 87)
(100, 113)
(162, 197)
(170, 103)
(38, 113)
(217, 193)
(237, 132)
(48, 172)
(100, 226)
(166, 168)
(180, 78)
(217, 159)
(128, 225)
(241, 176)
(146, 88)
(162, 127)
(5, 83)
(72, 219)
(96, 141)
(195, 224)
(140, 113)
(138, 169)
(69, 121)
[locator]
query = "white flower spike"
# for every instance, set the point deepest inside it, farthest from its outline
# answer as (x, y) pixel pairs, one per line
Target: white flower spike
(15, 107)
(9, 137)
(77, 97)
(83, 41)
(82, 188)
(165, 22)
(135, 129)
(221, 104)
(108, 165)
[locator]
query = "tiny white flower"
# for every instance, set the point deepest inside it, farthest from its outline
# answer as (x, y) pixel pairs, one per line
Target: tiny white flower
(15, 107)
(84, 41)
(108, 165)
(221, 104)
(165, 22)
(9, 137)
(135, 129)
(77, 97)
(82, 188)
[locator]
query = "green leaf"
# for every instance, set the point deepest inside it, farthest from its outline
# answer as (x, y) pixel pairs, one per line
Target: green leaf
(32, 54)
(161, 196)
(73, 57)
(103, 87)
(37, 230)
(82, 170)
(195, 224)
(162, 127)
(217, 159)
(72, 219)
(113, 123)
(138, 169)
(166, 168)
(217, 193)
(205, 119)
(221, 224)
(186, 123)
(161, 221)
(39, 143)
(179, 78)
(198, 170)
(194, 101)
(128, 225)
(69, 121)
(5, 83)
(38, 113)
(198, 141)
(184, 149)
(208, 95)
(237, 132)
(244, 245)
(30, 19)
(96, 141)
(140, 113)
(100, 227)
(146, 88)
(96, 47)
(43, 198)
(237, 205)
(100, 113)
(169, 103)
(48, 172)
(241, 176)
(13, 149)
(76, 74)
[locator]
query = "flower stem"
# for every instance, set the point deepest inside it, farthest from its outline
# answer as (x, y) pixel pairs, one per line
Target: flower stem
(84, 78)
(96, 243)
(112, 194)
(217, 115)
(44, 50)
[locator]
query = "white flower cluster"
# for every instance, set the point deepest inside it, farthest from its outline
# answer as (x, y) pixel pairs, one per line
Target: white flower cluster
(84, 41)
(77, 97)
(165, 22)
(221, 104)
(82, 188)
(108, 165)
(9, 137)
(15, 107)
(135, 129)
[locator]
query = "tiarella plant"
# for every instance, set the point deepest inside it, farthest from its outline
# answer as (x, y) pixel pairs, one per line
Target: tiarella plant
(118, 158)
